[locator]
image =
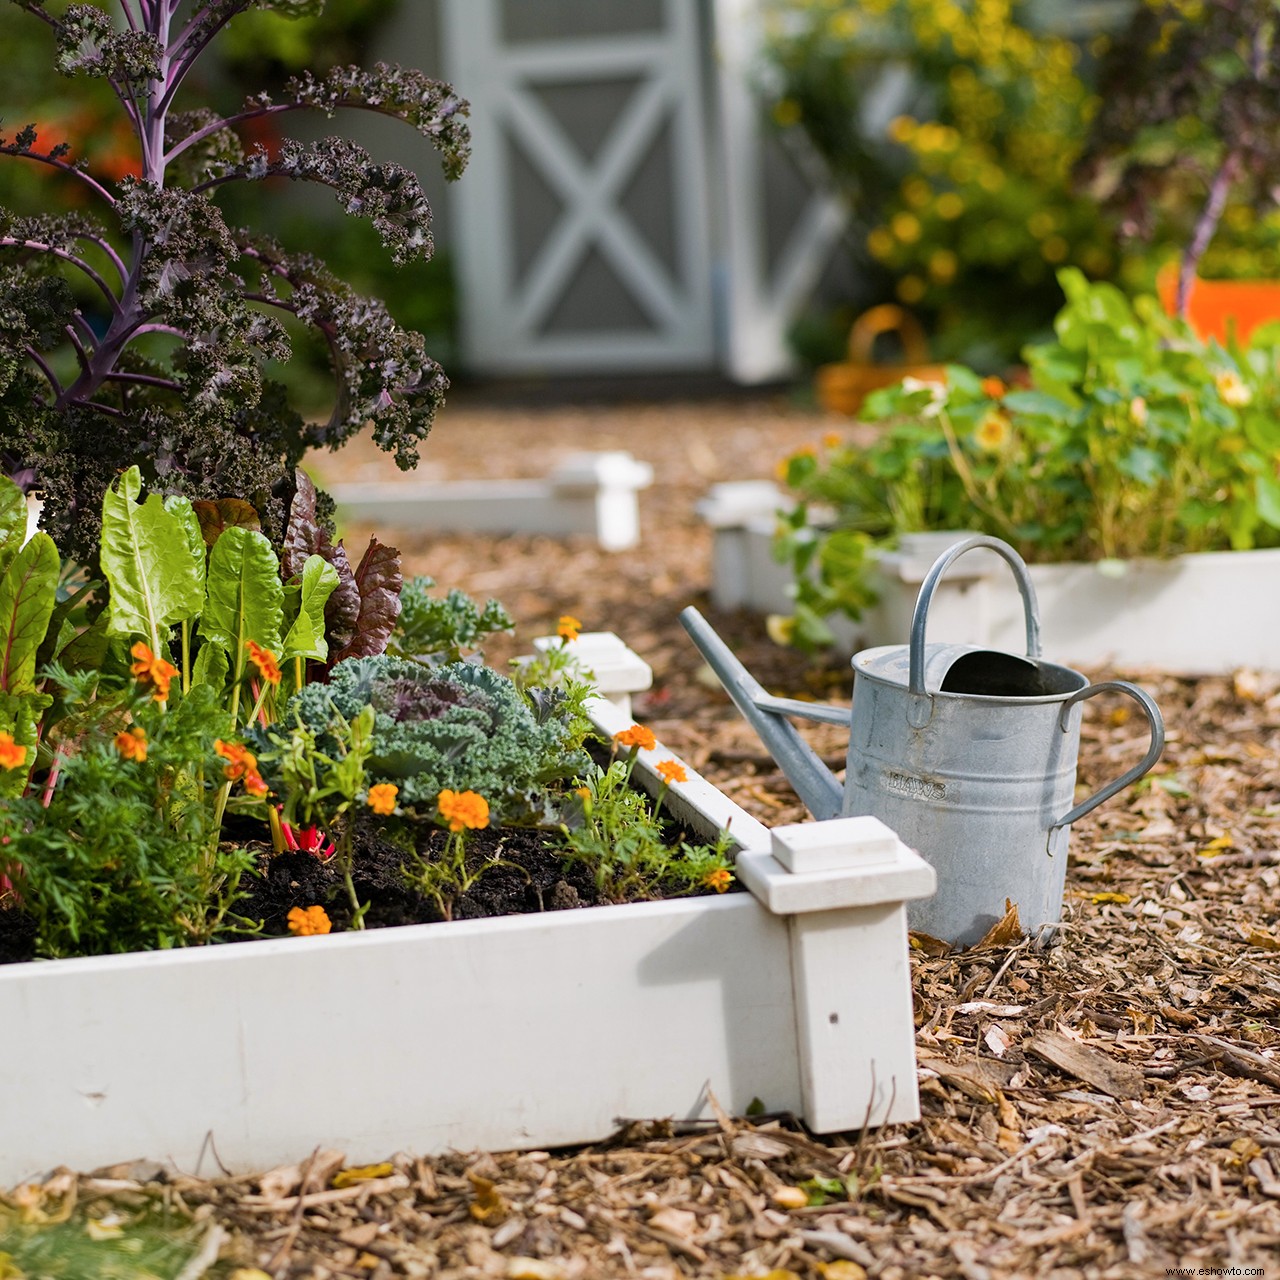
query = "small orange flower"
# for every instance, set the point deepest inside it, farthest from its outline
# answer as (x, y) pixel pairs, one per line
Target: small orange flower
(241, 763)
(463, 809)
(672, 771)
(583, 792)
(832, 440)
(265, 661)
(994, 387)
(306, 921)
(151, 669)
(636, 736)
(12, 755)
(719, 879)
(568, 627)
(382, 798)
(132, 743)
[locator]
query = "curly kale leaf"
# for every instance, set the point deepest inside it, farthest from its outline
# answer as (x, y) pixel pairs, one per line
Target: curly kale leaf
(462, 726)
(441, 629)
(89, 45)
(430, 106)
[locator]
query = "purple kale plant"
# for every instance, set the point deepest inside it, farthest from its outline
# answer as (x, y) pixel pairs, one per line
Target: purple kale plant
(143, 332)
(1189, 119)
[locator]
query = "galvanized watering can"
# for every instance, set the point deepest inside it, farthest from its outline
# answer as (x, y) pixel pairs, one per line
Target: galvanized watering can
(969, 754)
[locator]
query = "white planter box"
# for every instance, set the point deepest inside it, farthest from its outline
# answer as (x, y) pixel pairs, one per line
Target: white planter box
(522, 1032)
(1197, 614)
(590, 494)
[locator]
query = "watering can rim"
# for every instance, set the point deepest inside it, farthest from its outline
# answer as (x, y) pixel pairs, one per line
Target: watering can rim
(932, 652)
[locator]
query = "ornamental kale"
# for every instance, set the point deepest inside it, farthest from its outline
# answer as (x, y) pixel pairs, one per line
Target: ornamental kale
(461, 727)
(144, 334)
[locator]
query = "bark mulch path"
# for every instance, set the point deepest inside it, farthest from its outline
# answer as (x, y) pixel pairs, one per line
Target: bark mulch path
(1108, 1108)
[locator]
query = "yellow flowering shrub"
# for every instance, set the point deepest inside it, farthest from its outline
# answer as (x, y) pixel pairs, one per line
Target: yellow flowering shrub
(964, 197)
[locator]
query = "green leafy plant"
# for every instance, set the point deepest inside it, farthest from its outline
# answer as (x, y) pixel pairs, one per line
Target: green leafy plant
(438, 630)
(617, 834)
(1134, 438)
(117, 849)
(170, 361)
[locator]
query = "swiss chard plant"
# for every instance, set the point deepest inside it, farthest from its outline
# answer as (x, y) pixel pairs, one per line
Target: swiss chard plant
(144, 326)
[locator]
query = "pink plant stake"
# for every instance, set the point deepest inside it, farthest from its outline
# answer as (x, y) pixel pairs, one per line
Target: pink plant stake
(307, 840)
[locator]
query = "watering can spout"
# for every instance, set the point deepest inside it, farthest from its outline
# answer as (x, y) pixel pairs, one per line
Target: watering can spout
(814, 783)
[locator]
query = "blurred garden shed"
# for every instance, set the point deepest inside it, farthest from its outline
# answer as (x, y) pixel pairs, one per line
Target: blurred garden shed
(627, 208)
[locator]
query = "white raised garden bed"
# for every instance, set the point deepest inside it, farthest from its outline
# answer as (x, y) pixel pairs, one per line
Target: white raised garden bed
(1205, 613)
(522, 1032)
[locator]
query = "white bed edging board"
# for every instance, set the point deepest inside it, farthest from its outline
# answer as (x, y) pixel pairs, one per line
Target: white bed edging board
(587, 493)
(523, 1032)
(1205, 613)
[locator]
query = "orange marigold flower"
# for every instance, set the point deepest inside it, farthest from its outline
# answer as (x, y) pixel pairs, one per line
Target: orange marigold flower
(462, 809)
(994, 387)
(152, 669)
(264, 660)
(568, 627)
(132, 743)
(672, 771)
(832, 440)
(12, 754)
(719, 879)
(382, 798)
(254, 784)
(241, 762)
(636, 736)
(306, 921)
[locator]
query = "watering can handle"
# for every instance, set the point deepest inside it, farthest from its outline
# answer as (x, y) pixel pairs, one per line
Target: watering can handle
(1154, 719)
(1025, 588)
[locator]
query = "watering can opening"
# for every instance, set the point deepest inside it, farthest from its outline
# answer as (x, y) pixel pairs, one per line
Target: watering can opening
(991, 673)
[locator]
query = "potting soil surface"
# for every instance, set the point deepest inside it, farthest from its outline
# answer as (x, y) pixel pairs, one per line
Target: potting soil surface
(1106, 1108)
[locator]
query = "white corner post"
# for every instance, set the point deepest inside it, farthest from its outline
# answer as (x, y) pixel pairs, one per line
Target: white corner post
(843, 886)
(616, 670)
(599, 492)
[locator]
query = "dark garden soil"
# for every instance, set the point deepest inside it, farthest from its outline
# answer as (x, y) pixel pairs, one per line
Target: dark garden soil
(1108, 1108)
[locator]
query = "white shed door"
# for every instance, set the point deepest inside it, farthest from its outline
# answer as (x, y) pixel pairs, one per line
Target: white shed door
(582, 218)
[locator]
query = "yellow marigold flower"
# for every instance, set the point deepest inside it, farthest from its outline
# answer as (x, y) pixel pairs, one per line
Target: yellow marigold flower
(833, 440)
(943, 265)
(151, 669)
(880, 242)
(636, 736)
(672, 771)
(12, 755)
(994, 431)
(1232, 389)
(583, 792)
(950, 205)
(719, 879)
(902, 128)
(132, 743)
(905, 226)
(994, 387)
(265, 661)
(463, 809)
(304, 922)
(568, 627)
(382, 798)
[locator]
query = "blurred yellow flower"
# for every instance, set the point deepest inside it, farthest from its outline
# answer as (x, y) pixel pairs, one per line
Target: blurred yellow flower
(994, 431)
(910, 289)
(905, 226)
(1232, 389)
(949, 205)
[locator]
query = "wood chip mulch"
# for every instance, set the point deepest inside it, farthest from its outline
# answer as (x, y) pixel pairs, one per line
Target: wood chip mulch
(1108, 1107)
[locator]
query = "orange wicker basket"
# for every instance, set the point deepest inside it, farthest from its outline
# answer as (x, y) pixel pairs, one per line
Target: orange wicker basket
(842, 387)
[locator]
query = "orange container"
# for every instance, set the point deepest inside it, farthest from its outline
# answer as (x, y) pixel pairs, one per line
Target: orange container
(1218, 305)
(842, 387)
